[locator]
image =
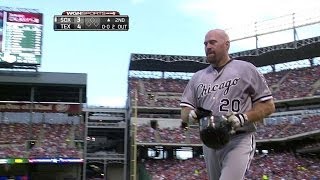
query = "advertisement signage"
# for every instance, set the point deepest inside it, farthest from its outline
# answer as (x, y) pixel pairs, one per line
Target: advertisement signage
(56, 160)
(51, 160)
(24, 17)
(40, 107)
(14, 161)
(3, 161)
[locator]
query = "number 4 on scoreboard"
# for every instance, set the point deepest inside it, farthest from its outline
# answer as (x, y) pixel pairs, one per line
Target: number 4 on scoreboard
(79, 21)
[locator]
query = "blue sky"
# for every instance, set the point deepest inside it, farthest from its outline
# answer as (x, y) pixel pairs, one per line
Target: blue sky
(174, 27)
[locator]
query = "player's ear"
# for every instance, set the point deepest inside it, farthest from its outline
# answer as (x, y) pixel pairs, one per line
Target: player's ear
(227, 45)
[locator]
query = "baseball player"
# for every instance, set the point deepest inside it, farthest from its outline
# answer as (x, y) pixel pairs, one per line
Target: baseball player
(233, 88)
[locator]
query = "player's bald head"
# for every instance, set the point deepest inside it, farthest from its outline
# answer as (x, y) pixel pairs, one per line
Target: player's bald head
(217, 45)
(218, 33)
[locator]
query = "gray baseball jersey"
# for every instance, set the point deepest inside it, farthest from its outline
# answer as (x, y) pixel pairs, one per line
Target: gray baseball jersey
(235, 87)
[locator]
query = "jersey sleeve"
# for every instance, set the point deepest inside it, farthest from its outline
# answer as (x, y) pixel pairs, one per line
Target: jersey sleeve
(259, 88)
(188, 98)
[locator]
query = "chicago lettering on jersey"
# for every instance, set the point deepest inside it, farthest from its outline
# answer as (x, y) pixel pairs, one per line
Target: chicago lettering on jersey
(205, 89)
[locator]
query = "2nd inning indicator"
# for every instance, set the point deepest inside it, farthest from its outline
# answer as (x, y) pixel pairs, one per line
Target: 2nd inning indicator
(91, 22)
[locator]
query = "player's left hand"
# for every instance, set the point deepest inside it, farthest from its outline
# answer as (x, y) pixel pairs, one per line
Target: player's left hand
(237, 120)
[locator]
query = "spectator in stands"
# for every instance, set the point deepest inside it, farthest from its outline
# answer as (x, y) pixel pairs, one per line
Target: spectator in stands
(264, 166)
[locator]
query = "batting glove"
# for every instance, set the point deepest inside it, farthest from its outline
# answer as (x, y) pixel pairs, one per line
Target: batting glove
(193, 116)
(237, 120)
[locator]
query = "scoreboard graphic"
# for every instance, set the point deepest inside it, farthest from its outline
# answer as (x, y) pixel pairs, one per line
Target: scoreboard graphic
(91, 21)
(20, 37)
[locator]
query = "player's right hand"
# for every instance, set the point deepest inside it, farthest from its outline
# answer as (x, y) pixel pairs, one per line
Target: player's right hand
(184, 126)
(193, 116)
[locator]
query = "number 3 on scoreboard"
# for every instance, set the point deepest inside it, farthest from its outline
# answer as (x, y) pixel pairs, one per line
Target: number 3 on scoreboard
(78, 21)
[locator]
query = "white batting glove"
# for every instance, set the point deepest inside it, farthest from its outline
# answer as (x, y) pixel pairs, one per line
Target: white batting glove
(193, 116)
(237, 120)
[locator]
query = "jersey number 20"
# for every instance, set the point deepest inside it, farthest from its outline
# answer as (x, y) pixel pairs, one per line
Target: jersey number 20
(226, 104)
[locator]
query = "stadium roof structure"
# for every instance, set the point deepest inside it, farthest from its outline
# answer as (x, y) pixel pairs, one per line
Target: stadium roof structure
(5, 8)
(281, 53)
(43, 86)
(53, 78)
(168, 63)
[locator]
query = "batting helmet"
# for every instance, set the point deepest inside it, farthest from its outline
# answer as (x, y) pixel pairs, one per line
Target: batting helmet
(215, 131)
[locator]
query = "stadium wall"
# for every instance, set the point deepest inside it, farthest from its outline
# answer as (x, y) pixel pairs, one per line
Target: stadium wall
(162, 122)
(13, 169)
(115, 169)
(56, 171)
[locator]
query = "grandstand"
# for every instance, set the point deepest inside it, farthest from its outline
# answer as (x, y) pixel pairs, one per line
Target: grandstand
(40, 116)
(287, 141)
(107, 152)
(41, 121)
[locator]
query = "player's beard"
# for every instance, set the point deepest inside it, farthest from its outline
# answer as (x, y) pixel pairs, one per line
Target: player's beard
(217, 60)
(212, 59)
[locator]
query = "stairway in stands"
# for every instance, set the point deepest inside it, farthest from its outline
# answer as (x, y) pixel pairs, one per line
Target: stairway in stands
(316, 86)
(187, 135)
(71, 137)
(157, 136)
(40, 137)
(276, 87)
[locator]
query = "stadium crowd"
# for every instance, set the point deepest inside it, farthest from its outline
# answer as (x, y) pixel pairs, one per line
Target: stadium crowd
(281, 129)
(288, 128)
(190, 169)
(55, 143)
(48, 135)
(53, 134)
(283, 84)
(282, 166)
